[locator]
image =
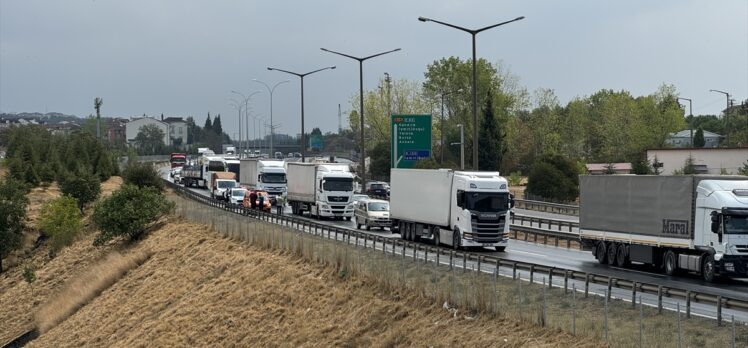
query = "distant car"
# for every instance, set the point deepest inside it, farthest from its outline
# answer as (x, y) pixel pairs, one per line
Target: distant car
(297, 154)
(372, 213)
(358, 197)
(377, 189)
(278, 155)
(266, 200)
(236, 195)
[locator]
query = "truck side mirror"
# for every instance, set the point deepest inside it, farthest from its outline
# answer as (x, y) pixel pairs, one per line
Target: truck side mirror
(715, 222)
(511, 201)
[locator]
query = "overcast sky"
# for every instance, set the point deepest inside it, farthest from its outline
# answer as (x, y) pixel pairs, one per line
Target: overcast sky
(184, 57)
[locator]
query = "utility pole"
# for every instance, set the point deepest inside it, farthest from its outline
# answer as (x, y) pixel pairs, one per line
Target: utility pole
(97, 105)
(724, 117)
(462, 146)
(340, 120)
(690, 113)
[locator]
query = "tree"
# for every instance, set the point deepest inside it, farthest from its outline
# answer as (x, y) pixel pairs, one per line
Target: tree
(380, 161)
(744, 169)
(490, 139)
(217, 128)
(689, 166)
(13, 203)
(128, 211)
(698, 138)
(641, 166)
(142, 175)
(150, 139)
(60, 220)
(208, 126)
(83, 186)
(610, 169)
(553, 177)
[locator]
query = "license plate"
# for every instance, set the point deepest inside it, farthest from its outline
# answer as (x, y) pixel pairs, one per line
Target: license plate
(487, 244)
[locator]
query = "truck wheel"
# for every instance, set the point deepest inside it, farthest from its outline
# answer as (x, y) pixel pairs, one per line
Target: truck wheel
(669, 263)
(707, 268)
(347, 218)
(456, 239)
(600, 252)
(500, 249)
(358, 225)
(402, 230)
(437, 237)
(612, 249)
(622, 260)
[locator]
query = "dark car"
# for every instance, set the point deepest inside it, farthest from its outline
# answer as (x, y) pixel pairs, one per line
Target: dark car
(377, 189)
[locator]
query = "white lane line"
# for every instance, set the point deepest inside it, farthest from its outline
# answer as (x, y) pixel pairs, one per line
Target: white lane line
(527, 252)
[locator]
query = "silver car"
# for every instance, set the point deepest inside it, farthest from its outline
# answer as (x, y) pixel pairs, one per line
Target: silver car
(372, 213)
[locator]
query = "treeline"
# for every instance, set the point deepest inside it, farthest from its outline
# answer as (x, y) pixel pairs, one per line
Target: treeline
(211, 135)
(34, 156)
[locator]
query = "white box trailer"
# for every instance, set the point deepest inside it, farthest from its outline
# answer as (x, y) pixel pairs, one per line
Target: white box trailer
(457, 208)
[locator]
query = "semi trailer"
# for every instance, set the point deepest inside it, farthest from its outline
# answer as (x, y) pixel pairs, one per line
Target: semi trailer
(457, 208)
(688, 223)
(324, 190)
(199, 174)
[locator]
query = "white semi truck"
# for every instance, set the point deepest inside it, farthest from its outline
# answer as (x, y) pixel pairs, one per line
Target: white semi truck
(324, 190)
(457, 208)
(201, 173)
(268, 175)
(686, 223)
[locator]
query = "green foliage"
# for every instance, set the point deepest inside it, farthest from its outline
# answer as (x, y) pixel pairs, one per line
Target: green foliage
(142, 175)
(688, 167)
(128, 211)
(13, 203)
(83, 186)
(554, 177)
(380, 161)
(217, 128)
(641, 166)
(208, 124)
(698, 138)
(60, 220)
(29, 275)
(150, 139)
(744, 169)
(490, 139)
(515, 179)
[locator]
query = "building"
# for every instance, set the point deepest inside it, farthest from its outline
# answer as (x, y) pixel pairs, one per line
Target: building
(116, 129)
(602, 168)
(706, 160)
(683, 139)
(62, 128)
(132, 128)
(177, 130)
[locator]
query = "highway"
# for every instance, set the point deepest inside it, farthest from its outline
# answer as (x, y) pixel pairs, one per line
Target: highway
(577, 260)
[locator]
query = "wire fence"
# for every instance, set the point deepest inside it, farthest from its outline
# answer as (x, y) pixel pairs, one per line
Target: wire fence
(474, 289)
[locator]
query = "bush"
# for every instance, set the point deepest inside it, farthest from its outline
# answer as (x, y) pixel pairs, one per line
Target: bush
(554, 177)
(60, 220)
(128, 211)
(13, 203)
(142, 175)
(84, 187)
(515, 179)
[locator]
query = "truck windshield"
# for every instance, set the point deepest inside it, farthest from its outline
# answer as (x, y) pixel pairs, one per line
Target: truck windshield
(216, 166)
(238, 193)
(335, 184)
(736, 224)
(379, 206)
(226, 184)
(487, 201)
(274, 178)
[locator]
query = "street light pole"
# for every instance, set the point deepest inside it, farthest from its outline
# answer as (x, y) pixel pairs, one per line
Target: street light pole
(361, 102)
(690, 113)
(724, 118)
(462, 146)
(472, 32)
(301, 77)
(271, 90)
(441, 126)
(238, 106)
(246, 118)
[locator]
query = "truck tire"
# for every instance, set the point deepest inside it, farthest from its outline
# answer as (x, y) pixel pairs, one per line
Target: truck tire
(500, 249)
(456, 240)
(437, 237)
(707, 268)
(601, 253)
(669, 263)
(622, 257)
(612, 249)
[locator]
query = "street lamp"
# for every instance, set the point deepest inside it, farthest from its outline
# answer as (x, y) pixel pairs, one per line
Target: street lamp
(441, 125)
(301, 77)
(271, 90)
(462, 146)
(690, 113)
(238, 106)
(361, 92)
(246, 117)
(472, 32)
(724, 118)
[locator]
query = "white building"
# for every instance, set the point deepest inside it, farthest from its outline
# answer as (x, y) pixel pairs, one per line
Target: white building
(706, 160)
(132, 128)
(683, 138)
(177, 130)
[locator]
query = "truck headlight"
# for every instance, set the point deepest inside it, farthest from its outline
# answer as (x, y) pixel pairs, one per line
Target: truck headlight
(729, 266)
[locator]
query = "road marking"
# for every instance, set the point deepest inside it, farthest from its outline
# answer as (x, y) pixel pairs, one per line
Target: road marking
(527, 252)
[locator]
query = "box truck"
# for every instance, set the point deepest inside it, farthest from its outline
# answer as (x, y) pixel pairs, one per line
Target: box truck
(324, 190)
(268, 175)
(457, 208)
(676, 223)
(200, 173)
(220, 182)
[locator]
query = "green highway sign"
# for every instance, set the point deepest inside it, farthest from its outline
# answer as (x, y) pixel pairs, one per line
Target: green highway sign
(411, 139)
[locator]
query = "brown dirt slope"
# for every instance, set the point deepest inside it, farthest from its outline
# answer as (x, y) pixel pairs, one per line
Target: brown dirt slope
(198, 289)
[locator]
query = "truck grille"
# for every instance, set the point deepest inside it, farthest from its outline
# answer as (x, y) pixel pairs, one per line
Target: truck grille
(338, 199)
(742, 248)
(488, 230)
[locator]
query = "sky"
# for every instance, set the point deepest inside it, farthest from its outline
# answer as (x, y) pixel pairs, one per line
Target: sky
(184, 57)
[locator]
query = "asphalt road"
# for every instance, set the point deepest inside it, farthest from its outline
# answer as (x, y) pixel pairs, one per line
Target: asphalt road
(577, 260)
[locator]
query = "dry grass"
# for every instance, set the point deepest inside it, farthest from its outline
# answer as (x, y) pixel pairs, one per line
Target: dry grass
(87, 286)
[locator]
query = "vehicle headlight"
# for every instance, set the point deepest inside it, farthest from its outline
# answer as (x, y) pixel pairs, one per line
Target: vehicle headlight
(729, 266)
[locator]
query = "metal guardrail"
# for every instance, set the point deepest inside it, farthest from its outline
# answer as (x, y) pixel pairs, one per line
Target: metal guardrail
(557, 208)
(394, 245)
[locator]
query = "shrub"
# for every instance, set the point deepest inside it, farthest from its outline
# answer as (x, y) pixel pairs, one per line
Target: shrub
(142, 175)
(29, 275)
(84, 187)
(128, 211)
(554, 177)
(60, 220)
(515, 179)
(13, 203)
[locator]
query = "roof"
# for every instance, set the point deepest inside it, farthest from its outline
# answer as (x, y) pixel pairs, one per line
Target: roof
(604, 166)
(686, 133)
(173, 119)
(698, 148)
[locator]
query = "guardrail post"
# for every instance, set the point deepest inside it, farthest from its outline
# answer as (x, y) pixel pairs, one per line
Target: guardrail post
(633, 295)
(464, 262)
(566, 281)
(688, 304)
(586, 285)
(436, 250)
(532, 272)
(610, 287)
(719, 310)
(451, 258)
(659, 299)
(479, 260)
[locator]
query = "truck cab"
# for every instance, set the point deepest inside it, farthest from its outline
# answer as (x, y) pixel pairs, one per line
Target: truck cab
(334, 192)
(721, 227)
(272, 178)
(480, 210)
